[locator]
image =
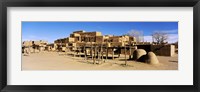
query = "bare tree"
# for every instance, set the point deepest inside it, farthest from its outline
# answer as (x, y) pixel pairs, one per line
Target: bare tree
(160, 37)
(137, 34)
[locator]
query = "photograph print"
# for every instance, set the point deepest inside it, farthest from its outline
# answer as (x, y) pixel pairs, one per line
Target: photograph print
(99, 45)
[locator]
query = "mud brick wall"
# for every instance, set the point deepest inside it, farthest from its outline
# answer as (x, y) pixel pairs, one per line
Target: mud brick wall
(88, 39)
(115, 39)
(74, 44)
(58, 41)
(132, 38)
(173, 49)
(76, 39)
(80, 44)
(147, 48)
(54, 47)
(98, 34)
(30, 49)
(36, 42)
(48, 48)
(99, 39)
(27, 43)
(85, 39)
(74, 35)
(70, 39)
(64, 40)
(41, 48)
(92, 39)
(124, 38)
(90, 34)
(115, 44)
(63, 49)
(163, 50)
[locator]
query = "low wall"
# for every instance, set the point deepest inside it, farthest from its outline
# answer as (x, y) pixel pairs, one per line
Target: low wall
(147, 48)
(160, 50)
(163, 50)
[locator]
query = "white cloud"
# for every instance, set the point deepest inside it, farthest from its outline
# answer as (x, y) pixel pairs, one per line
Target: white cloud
(168, 31)
(147, 38)
(171, 38)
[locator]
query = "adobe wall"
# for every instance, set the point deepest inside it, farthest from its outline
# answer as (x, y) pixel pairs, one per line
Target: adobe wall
(160, 50)
(163, 50)
(114, 39)
(147, 48)
(70, 39)
(99, 39)
(27, 43)
(91, 34)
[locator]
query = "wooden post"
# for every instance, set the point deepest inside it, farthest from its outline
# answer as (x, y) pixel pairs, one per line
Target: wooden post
(29, 50)
(95, 50)
(74, 51)
(130, 52)
(125, 55)
(66, 50)
(112, 53)
(98, 53)
(102, 54)
(91, 51)
(106, 52)
(85, 53)
(79, 51)
(101, 51)
(119, 49)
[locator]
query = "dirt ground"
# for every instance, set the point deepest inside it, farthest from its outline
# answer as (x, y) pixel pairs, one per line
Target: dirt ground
(61, 61)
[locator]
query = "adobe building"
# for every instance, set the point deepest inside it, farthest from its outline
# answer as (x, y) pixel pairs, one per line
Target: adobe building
(97, 37)
(83, 38)
(51, 47)
(34, 46)
(80, 39)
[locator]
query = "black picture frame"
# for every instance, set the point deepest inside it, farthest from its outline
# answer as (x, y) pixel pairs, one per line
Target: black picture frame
(100, 3)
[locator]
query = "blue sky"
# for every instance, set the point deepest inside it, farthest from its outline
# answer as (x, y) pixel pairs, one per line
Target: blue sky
(51, 31)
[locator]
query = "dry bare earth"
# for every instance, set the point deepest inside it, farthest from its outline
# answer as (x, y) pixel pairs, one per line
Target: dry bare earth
(55, 61)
